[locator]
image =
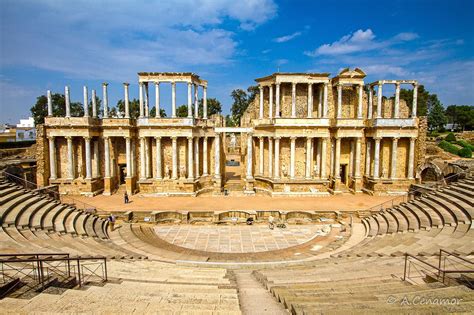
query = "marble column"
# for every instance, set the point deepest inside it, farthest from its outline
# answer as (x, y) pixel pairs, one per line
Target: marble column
(190, 158)
(277, 157)
(87, 142)
(379, 101)
(393, 170)
(293, 100)
(319, 142)
(339, 100)
(96, 158)
(204, 157)
(85, 102)
(107, 157)
(260, 156)
(105, 100)
(196, 157)
(133, 149)
(127, 102)
(270, 103)
(277, 100)
(67, 99)
(411, 158)
(308, 157)
(337, 159)
(292, 157)
(128, 155)
(196, 101)
(173, 99)
(217, 156)
(325, 101)
(50, 103)
(174, 149)
(415, 100)
(324, 143)
(371, 103)
(147, 101)
(157, 100)
(270, 157)
(158, 174)
(147, 157)
(249, 156)
(190, 106)
(204, 102)
(320, 101)
(376, 174)
(310, 100)
(368, 144)
(142, 159)
(396, 110)
(70, 157)
(94, 104)
(140, 97)
(260, 112)
(52, 159)
(359, 104)
(357, 158)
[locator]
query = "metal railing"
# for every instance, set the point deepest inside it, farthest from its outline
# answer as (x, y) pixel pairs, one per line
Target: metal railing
(442, 273)
(52, 193)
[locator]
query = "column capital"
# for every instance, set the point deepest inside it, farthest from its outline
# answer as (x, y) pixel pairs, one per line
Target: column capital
(326, 84)
(413, 138)
(380, 84)
(293, 138)
(158, 138)
(173, 83)
(378, 138)
(87, 138)
(397, 84)
(106, 137)
(126, 84)
(293, 83)
(104, 84)
(68, 137)
(270, 137)
(190, 138)
(174, 138)
(395, 138)
(310, 83)
(157, 83)
(51, 137)
(277, 138)
(415, 85)
(260, 138)
(277, 83)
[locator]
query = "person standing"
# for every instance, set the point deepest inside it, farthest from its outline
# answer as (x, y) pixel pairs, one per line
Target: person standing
(111, 219)
(125, 197)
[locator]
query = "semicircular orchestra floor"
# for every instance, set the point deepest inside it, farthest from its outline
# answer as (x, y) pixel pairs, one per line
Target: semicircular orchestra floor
(239, 238)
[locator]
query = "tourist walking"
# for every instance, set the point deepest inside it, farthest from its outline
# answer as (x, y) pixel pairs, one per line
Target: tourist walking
(111, 219)
(125, 197)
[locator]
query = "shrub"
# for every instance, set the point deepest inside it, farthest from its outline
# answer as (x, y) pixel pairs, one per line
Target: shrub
(465, 152)
(434, 134)
(448, 147)
(450, 137)
(465, 144)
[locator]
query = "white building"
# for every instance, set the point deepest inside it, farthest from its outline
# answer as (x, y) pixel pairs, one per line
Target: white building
(25, 130)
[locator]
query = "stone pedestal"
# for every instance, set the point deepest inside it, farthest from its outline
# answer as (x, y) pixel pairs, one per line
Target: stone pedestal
(130, 185)
(108, 186)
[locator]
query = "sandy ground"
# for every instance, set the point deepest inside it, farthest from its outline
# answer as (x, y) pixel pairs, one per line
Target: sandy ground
(140, 203)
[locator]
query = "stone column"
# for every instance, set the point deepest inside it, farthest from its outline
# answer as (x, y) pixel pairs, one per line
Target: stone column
(292, 156)
(357, 158)
(87, 141)
(52, 159)
(277, 100)
(260, 157)
(132, 157)
(196, 156)
(196, 103)
(249, 156)
(67, 99)
(293, 100)
(50, 103)
(270, 157)
(318, 157)
(325, 104)
(127, 102)
(96, 158)
(190, 106)
(174, 149)
(142, 159)
(147, 101)
(204, 102)
(190, 158)
(217, 157)
(173, 99)
(157, 100)
(359, 105)
(140, 97)
(70, 157)
(320, 101)
(393, 170)
(308, 157)
(94, 104)
(204, 157)
(85, 102)
(270, 103)
(128, 156)
(396, 110)
(376, 174)
(411, 158)
(337, 159)
(379, 101)
(277, 157)
(260, 113)
(147, 157)
(367, 156)
(159, 167)
(323, 157)
(310, 100)
(107, 157)
(105, 100)
(339, 100)
(371, 103)
(415, 100)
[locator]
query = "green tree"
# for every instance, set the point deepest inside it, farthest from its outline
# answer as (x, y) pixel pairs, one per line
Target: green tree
(229, 121)
(213, 107)
(436, 116)
(465, 117)
(242, 101)
(162, 112)
(119, 109)
(40, 110)
(182, 111)
(422, 99)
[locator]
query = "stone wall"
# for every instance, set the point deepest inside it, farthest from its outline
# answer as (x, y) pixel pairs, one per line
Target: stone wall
(42, 164)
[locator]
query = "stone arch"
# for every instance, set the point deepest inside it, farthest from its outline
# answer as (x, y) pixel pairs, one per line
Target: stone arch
(430, 172)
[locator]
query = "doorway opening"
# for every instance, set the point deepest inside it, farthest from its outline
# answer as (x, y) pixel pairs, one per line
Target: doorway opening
(122, 172)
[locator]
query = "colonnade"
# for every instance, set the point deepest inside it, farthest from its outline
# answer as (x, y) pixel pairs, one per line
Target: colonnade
(396, 107)
(360, 94)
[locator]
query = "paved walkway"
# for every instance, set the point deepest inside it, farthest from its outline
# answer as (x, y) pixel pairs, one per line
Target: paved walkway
(329, 203)
(238, 238)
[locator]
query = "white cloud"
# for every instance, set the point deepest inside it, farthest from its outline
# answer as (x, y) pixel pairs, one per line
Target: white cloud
(286, 38)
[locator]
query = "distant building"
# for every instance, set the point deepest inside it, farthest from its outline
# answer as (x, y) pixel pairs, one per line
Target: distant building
(25, 130)
(7, 133)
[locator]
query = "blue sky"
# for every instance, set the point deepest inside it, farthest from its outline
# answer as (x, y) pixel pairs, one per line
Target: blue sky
(48, 44)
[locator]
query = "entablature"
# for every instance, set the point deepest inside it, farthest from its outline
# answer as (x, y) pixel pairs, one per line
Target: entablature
(158, 77)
